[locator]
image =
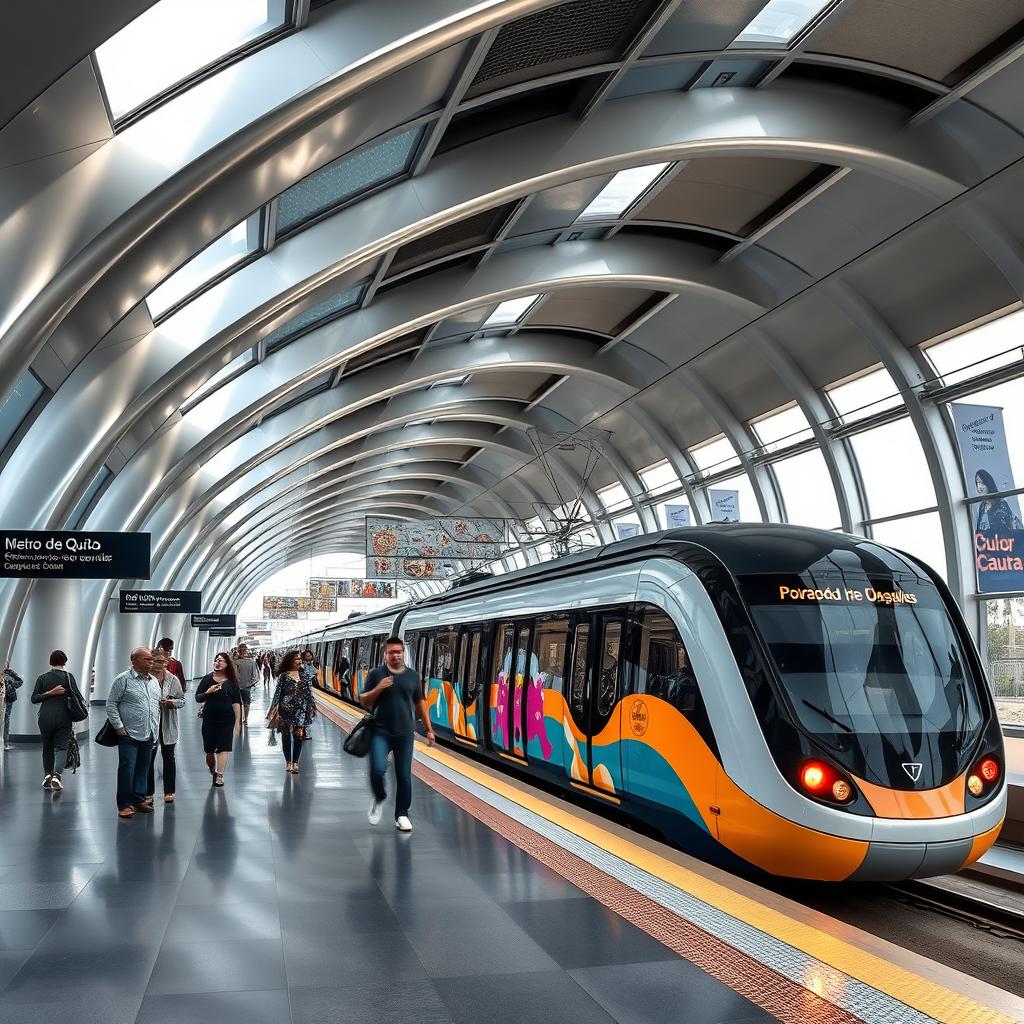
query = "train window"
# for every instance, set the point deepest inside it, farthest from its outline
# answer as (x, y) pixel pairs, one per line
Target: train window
(665, 670)
(549, 643)
(361, 657)
(472, 686)
(342, 665)
(444, 653)
(411, 649)
(578, 675)
(460, 672)
(503, 651)
(423, 665)
(608, 667)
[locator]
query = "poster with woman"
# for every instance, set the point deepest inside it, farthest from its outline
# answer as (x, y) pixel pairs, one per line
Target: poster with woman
(985, 458)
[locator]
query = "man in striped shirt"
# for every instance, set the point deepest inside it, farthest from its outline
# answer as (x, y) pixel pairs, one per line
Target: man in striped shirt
(133, 708)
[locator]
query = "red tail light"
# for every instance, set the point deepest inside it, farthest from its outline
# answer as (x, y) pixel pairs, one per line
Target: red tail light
(984, 775)
(821, 780)
(989, 770)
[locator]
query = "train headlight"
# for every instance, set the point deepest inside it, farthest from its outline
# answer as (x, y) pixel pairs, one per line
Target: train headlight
(814, 777)
(841, 790)
(975, 785)
(983, 776)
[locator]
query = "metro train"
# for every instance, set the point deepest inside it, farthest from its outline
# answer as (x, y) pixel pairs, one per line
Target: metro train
(770, 698)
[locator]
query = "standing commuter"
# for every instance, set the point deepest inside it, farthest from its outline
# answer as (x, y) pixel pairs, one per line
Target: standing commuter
(55, 724)
(133, 709)
(395, 693)
(10, 683)
(293, 707)
(172, 698)
(245, 668)
(308, 667)
(222, 714)
(174, 666)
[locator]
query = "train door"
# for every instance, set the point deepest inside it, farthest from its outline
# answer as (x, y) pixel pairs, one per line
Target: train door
(546, 691)
(458, 711)
(595, 668)
(507, 703)
(469, 684)
(499, 686)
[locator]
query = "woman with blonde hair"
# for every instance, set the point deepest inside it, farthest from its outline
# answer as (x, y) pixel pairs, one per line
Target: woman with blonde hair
(172, 699)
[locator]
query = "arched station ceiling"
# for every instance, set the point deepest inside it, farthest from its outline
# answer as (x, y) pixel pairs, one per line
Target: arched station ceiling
(825, 207)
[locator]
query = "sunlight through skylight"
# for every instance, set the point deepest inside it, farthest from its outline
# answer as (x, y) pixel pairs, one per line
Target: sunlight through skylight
(780, 22)
(622, 191)
(217, 257)
(510, 311)
(214, 382)
(174, 40)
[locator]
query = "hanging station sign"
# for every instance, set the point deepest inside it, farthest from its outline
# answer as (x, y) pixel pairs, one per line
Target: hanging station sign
(160, 601)
(70, 555)
(222, 632)
(985, 458)
(211, 622)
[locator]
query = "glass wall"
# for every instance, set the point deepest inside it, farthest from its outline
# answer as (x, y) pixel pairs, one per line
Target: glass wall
(807, 491)
(1004, 646)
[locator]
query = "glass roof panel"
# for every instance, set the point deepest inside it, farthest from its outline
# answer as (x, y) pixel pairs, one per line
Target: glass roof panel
(864, 396)
(347, 177)
(214, 382)
(660, 477)
(779, 22)
(715, 456)
(781, 429)
(510, 311)
(174, 40)
(327, 309)
(613, 495)
(214, 260)
(622, 191)
(997, 343)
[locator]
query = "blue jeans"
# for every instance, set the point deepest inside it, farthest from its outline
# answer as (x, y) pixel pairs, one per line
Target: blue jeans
(7, 722)
(133, 758)
(401, 746)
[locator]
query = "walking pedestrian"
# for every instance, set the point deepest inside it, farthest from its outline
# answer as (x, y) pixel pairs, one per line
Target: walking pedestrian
(10, 683)
(55, 724)
(245, 667)
(266, 670)
(174, 666)
(395, 693)
(309, 667)
(172, 698)
(292, 709)
(133, 709)
(222, 713)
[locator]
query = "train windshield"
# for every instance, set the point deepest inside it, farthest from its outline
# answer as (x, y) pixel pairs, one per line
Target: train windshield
(860, 656)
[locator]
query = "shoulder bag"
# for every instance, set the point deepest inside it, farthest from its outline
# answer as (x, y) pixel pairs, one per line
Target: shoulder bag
(358, 741)
(107, 735)
(78, 710)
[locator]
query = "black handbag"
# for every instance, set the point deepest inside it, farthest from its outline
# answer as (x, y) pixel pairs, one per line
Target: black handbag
(107, 736)
(78, 710)
(357, 743)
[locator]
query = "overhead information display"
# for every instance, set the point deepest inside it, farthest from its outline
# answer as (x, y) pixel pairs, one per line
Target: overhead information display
(68, 555)
(210, 622)
(161, 601)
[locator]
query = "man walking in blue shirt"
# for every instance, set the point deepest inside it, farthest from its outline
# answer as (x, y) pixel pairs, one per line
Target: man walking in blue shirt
(133, 709)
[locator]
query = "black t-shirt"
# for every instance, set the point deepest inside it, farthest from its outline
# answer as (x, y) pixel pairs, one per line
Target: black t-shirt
(395, 707)
(217, 707)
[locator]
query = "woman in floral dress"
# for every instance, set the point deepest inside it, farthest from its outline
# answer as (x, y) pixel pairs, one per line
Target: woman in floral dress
(293, 709)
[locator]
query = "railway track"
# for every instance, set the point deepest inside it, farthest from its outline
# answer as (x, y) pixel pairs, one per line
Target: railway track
(992, 908)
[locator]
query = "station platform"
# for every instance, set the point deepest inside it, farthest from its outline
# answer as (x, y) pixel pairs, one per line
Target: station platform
(274, 900)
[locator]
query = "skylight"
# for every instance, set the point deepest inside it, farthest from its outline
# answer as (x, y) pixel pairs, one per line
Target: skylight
(214, 382)
(715, 456)
(985, 348)
(622, 192)
(347, 177)
(659, 477)
(326, 310)
(176, 39)
(218, 257)
(780, 22)
(613, 495)
(865, 396)
(511, 311)
(782, 429)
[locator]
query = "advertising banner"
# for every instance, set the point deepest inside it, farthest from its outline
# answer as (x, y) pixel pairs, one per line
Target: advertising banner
(68, 555)
(677, 516)
(317, 604)
(407, 568)
(985, 458)
(346, 589)
(725, 506)
(160, 601)
(274, 604)
(436, 538)
(211, 622)
(626, 530)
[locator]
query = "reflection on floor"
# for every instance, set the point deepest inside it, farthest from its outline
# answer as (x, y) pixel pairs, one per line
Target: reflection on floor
(273, 900)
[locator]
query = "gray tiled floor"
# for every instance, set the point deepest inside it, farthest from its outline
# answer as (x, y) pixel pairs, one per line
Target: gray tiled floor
(273, 900)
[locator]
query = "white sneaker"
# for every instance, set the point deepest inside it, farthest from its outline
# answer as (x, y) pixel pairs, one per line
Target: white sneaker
(55, 782)
(7, 746)
(46, 781)
(376, 810)
(403, 824)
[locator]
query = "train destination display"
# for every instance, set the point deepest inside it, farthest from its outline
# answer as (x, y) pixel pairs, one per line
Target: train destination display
(160, 601)
(71, 555)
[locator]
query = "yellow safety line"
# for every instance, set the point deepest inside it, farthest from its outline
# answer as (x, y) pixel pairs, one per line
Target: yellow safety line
(930, 998)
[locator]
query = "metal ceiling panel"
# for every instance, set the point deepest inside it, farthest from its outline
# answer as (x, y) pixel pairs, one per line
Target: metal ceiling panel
(608, 310)
(729, 194)
(704, 25)
(558, 207)
(939, 39)
(739, 373)
(572, 35)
